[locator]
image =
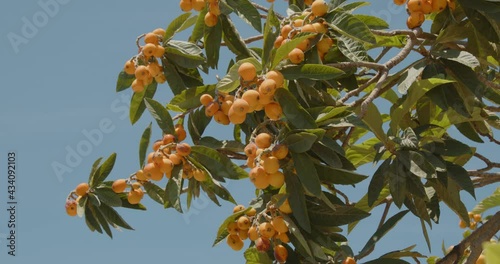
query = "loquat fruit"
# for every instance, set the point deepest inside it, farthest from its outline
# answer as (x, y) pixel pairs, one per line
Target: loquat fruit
(135, 196)
(296, 56)
(319, 8)
(247, 71)
(129, 67)
(280, 253)
(82, 189)
(263, 140)
(119, 185)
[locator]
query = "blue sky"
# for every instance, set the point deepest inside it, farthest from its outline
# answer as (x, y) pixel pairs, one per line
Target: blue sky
(59, 85)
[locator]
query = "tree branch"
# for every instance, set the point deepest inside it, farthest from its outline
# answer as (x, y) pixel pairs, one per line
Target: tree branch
(247, 40)
(489, 164)
(487, 82)
(265, 9)
(484, 178)
(474, 241)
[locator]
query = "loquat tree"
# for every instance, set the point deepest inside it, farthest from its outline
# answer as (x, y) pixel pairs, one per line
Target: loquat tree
(310, 99)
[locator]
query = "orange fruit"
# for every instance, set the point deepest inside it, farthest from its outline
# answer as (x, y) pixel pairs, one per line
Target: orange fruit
(244, 223)
(319, 27)
(213, 8)
(308, 28)
(136, 185)
(271, 165)
(324, 44)
(149, 49)
(180, 132)
(283, 237)
(183, 149)
(175, 158)
(221, 118)
(280, 253)
(349, 260)
(70, 207)
(153, 172)
(232, 228)
(277, 179)
(280, 151)
(273, 110)
(166, 165)
(426, 6)
(206, 99)
(438, 5)
(319, 8)
(481, 259)
(137, 86)
(82, 188)
(211, 108)
(154, 69)
(236, 118)
(186, 5)
(462, 224)
(414, 6)
(159, 51)
(452, 4)
(477, 217)
(159, 31)
(399, 2)
(415, 20)
(240, 106)
(247, 71)
(119, 185)
(285, 30)
(199, 175)
(296, 56)
(263, 140)
(279, 224)
(225, 106)
(285, 207)
(139, 175)
(252, 233)
(235, 242)
(238, 208)
(211, 20)
(278, 78)
(151, 38)
(308, 2)
(251, 212)
(259, 177)
(198, 5)
(129, 67)
(278, 41)
(168, 138)
(252, 98)
(267, 230)
(243, 234)
(251, 150)
(267, 87)
(251, 162)
(150, 157)
(262, 244)
(141, 72)
(160, 78)
(135, 196)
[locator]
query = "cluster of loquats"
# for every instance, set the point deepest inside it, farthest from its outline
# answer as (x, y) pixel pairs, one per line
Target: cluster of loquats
(310, 22)
(263, 229)
(474, 220)
(256, 93)
(417, 9)
(72, 201)
(145, 66)
(263, 157)
(212, 16)
(167, 153)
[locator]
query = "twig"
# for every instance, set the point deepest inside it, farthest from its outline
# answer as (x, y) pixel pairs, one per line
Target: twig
(388, 203)
(181, 115)
(492, 108)
(265, 9)
(382, 54)
(248, 40)
(357, 64)
(484, 178)
(487, 82)
(489, 164)
(232, 154)
(348, 137)
(474, 241)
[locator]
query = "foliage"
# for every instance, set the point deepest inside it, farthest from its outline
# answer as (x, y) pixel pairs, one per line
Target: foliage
(328, 114)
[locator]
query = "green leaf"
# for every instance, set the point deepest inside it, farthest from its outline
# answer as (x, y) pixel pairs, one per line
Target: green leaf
(271, 32)
(175, 25)
(300, 142)
(455, 148)
(397, 181)
(103, 171)
(113, 217)
(373, 119)
(253, 256)
(386, 227)
(91, 220)
(307, 173)
(213, 143)
(311, 71)
(372, 22)
(101, 219)
(461, 177)
(124, 81)
(174, 79)
(197, 123)
(199, 27)
(449, 194)
(137, 105)
(467, 130)
(294, 112)
(94, 169)
(352, 49)
(378, 182)
(487, 203)
(107, 196)
(410, 75)
(232, 80)
(283, 50)
(233, 39)
(222, 231)
(491, 252)
(327, 155)
(154, 191)
(212, 41)
(338, 176)
(415, 92)
(420, 166)
(247, 12)
(217, 163)
(297, 200)
(462, 57)
(182, 58)
(342, 215)
(351, 26)
(481, 23)
(143, 145)
(362, 204)
(173, 190)
(161, 115)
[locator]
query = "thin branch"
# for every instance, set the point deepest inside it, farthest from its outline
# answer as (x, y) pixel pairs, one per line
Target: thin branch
(265, 9)
(388, 203)
(382, 54)
(489, 164)
(357, 64)
(181, 115)
(474, 241)
(484, 178)
(248, 40)
(348, 137)
(492, 108)
(487, 82)
(232, 154)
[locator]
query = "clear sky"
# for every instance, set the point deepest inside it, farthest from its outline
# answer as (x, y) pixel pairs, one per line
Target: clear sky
(58, 84)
